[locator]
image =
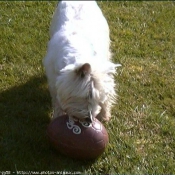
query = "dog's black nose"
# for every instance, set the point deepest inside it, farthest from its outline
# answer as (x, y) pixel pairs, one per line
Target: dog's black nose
(89, 120)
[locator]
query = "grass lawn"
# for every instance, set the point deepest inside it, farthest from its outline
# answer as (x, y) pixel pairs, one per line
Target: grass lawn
(142, 130)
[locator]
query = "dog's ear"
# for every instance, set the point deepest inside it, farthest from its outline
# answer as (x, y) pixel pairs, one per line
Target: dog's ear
(84, 70)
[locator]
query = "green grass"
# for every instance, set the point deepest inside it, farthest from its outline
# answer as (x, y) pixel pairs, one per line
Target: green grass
(142, 130)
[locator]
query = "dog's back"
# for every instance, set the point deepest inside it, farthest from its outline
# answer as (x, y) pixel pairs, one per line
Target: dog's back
(78, 31)
(83, 26)
(87, 12)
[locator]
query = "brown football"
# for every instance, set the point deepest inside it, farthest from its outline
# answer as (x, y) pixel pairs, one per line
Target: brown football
(80, 140)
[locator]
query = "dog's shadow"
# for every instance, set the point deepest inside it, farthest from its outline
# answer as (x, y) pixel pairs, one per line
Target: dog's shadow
(24, 117)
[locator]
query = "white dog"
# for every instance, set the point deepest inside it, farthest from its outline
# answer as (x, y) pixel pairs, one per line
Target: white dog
(77, 63)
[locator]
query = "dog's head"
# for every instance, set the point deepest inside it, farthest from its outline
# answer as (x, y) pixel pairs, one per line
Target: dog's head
(81, 88)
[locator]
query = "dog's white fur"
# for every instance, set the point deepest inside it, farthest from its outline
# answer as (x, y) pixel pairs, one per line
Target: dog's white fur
(77, 63)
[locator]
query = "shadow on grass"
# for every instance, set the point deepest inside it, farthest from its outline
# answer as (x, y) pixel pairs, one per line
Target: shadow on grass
(24, 116)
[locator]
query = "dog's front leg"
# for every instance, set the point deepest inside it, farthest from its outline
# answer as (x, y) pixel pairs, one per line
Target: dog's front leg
(105, 112)
(57, 111)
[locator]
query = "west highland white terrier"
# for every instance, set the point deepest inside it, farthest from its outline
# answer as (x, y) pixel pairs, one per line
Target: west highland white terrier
(77, 63)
